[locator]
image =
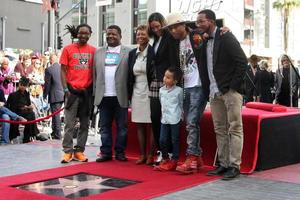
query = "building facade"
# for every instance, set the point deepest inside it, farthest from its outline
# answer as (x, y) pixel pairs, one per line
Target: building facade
(23, 25)
(255, 23)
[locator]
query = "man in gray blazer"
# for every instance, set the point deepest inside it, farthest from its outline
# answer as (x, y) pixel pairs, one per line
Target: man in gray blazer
(110, 91)
(54, 90)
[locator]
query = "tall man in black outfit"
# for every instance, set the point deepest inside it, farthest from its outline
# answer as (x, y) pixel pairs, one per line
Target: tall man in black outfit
(250, 88)
(226, 65)
(54, 90)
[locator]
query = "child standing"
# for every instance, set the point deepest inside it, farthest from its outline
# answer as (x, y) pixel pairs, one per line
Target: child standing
(171, 99)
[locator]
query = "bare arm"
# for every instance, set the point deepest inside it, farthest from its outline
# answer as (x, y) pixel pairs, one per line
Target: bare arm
(63, 73)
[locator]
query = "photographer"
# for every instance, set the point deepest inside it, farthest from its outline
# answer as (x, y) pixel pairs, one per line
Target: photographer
(19, 102)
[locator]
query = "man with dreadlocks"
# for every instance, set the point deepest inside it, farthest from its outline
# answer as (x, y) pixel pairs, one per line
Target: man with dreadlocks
(76, 74)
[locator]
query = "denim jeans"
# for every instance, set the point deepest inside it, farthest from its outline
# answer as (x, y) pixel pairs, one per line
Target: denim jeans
(111, 110)
(170, 131)
(194, 104)
(6, 114)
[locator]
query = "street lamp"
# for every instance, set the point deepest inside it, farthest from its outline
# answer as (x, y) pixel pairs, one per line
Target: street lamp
(3, 19)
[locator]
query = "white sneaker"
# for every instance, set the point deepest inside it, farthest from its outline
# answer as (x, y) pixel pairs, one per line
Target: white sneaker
(158, 158)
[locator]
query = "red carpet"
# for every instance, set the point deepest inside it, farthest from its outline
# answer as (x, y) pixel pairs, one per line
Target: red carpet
(251, 124)
(152, 183)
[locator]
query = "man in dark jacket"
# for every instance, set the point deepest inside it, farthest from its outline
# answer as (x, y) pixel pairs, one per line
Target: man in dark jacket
(184, 53)
(250, 88)
(226, 65)
(55, 92)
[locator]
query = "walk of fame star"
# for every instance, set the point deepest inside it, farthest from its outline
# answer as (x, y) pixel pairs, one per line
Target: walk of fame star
(79, 185)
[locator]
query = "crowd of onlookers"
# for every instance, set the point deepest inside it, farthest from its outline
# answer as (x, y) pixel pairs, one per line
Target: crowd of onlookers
(22, 81)
(264, 85)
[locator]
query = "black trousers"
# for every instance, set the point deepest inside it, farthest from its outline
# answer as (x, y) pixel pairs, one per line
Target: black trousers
(30, 130)
(155, 108)
(56, 122)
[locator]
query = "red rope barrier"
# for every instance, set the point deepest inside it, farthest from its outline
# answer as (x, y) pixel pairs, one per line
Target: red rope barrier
(32, 121)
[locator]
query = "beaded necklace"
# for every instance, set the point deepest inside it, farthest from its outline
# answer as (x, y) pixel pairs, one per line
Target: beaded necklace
(183, 59)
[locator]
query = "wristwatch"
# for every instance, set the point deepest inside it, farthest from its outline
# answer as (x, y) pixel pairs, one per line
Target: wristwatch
(66, 90)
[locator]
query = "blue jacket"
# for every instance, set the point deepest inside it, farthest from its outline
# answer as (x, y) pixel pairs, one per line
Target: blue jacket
(171, 100)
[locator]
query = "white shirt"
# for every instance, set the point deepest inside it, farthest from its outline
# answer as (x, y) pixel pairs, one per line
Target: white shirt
(112, 60)
(157, 45)
(189, 64)
(213, 87)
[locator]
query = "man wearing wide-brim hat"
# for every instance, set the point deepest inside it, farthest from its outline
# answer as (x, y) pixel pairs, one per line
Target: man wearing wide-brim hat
(174, 19)
(184, 53)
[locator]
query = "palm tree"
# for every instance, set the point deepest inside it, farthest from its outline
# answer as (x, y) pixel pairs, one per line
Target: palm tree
(285, 7)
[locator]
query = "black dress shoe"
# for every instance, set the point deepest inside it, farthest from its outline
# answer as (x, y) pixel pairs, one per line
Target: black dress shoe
(103, 158)
(41, 137)
(231, 173)
(121, 157)
(55, 137)
(218, 171)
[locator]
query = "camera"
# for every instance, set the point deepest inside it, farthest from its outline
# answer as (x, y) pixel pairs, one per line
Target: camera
(6, 81)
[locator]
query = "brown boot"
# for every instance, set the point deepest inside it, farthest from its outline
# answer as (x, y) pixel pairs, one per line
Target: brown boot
(200, 162)
(150, 160)
(192, 164)
(141, 160)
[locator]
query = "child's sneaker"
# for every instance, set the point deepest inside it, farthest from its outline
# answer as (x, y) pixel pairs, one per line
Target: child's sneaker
(157, 167)
(67, 158)
(159, 158)
(79, 156)
(170, 165)
(166, 165)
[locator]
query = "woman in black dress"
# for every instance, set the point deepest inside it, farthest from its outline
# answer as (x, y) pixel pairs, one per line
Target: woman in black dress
(264, 81)
(285, 80)
(161, 62)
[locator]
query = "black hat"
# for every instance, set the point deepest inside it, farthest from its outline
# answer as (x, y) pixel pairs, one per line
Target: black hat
(24, 81)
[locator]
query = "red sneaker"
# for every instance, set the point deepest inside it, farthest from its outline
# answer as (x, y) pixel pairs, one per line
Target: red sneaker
(192, 164)
(163, 162)
(167, 165)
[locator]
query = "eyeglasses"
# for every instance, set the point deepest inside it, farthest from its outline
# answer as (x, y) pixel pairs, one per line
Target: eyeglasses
(83, 33)
(199, 22)
(37, 63)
